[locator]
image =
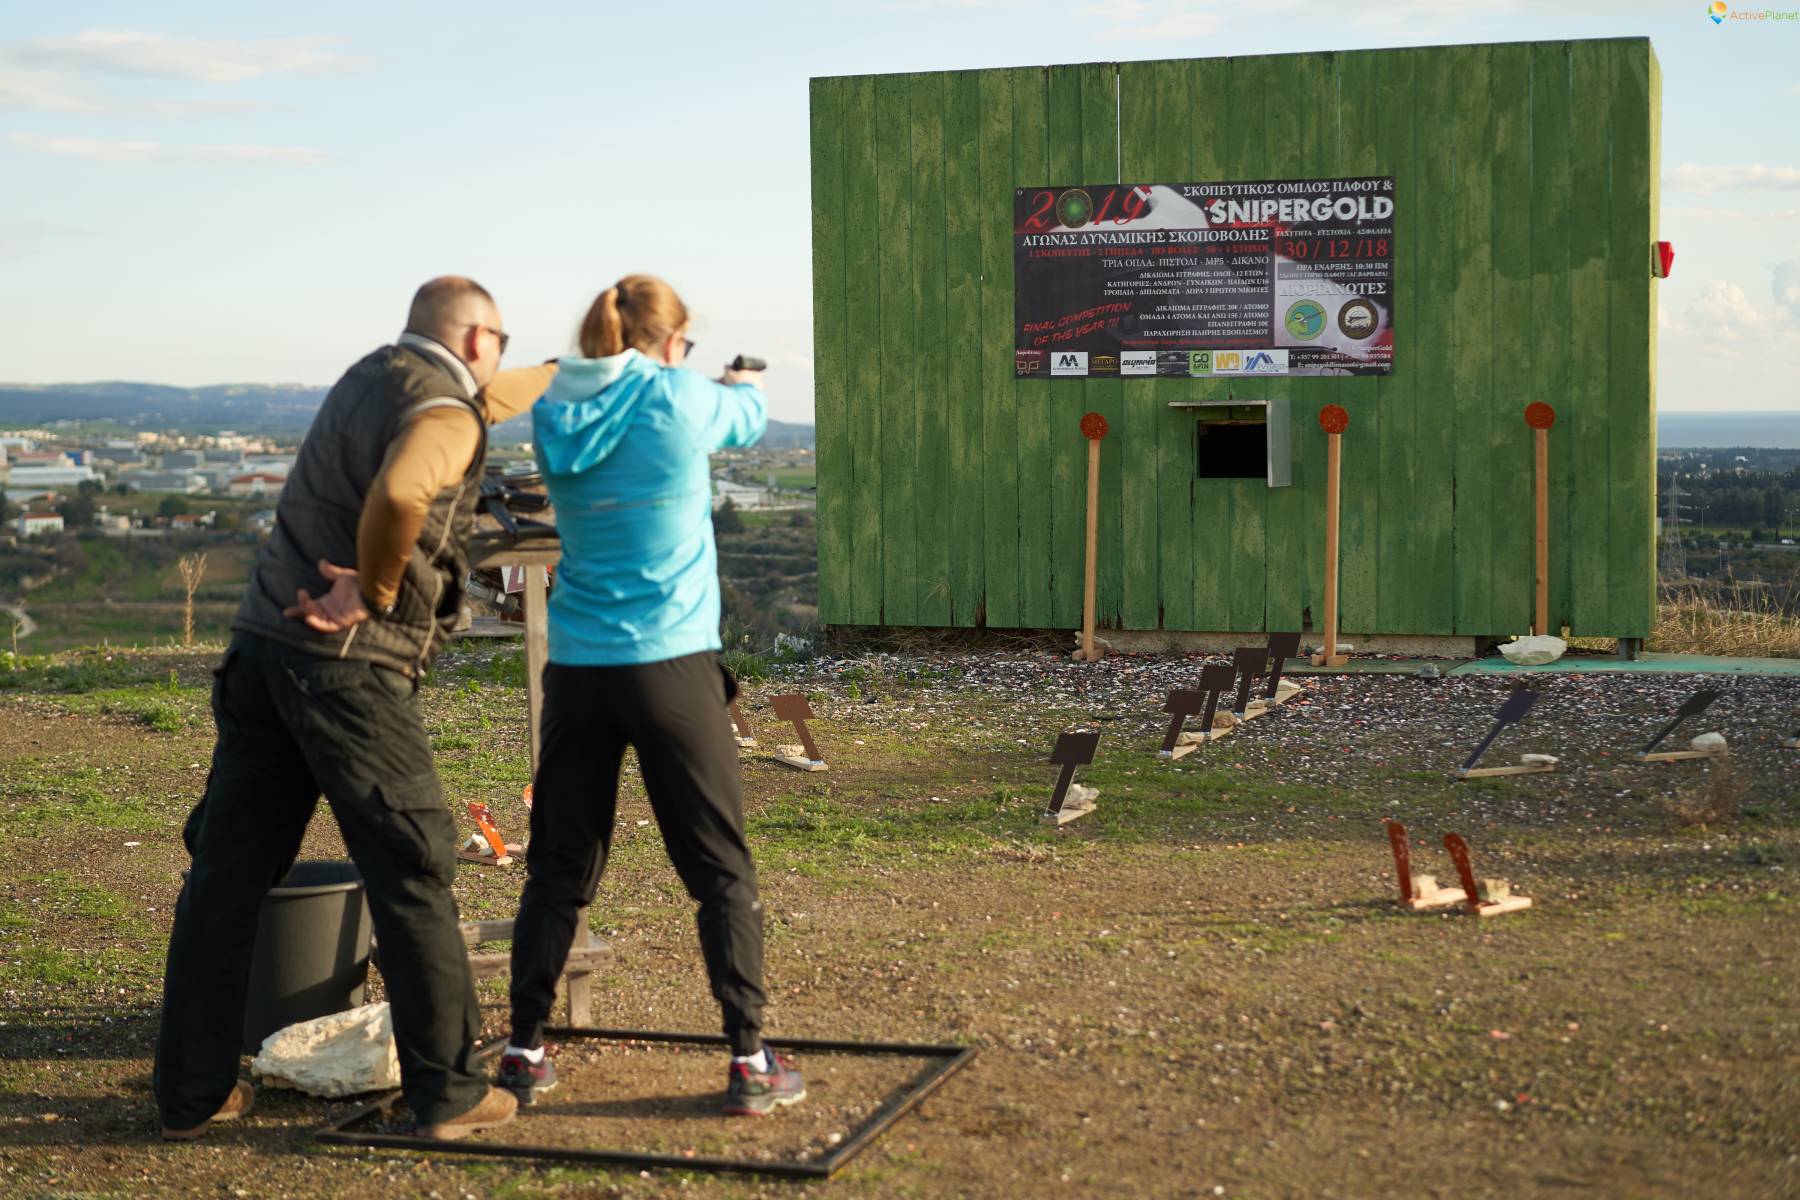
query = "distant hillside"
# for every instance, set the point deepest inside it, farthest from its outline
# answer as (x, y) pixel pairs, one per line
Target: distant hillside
(245, 407)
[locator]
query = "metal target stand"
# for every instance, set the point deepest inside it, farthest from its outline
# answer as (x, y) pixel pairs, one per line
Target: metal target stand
(944, 1061)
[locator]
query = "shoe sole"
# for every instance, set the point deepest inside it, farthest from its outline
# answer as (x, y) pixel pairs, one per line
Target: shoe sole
(742, 1110)
(529, 1093)
(199, 1131)
(451, 1133)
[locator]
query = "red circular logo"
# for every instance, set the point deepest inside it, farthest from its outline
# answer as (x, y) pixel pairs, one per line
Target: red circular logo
(1539, 415)
(1333, 419)
(1093, 427)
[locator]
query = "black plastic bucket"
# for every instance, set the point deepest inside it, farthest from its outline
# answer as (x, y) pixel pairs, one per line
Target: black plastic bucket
(312, 949)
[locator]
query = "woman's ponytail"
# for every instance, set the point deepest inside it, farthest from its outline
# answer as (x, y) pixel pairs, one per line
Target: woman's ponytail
(637, 312)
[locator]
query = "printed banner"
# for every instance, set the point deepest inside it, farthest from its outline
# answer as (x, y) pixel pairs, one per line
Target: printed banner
(1282, 277)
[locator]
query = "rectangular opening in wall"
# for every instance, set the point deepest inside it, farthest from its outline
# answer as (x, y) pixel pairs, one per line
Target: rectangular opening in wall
(1242, 439)
(1232, 445)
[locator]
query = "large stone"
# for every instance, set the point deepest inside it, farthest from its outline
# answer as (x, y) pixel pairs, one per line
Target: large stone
(344, 1054)
(1708, 743)
(1534, 651)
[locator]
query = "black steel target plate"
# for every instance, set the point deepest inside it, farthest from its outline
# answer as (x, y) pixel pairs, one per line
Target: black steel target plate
(942, 1062)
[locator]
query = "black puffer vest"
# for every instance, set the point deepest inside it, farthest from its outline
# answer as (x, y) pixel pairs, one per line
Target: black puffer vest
(322, 504)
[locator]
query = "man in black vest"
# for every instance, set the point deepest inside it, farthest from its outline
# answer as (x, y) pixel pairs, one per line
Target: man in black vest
(318, 692)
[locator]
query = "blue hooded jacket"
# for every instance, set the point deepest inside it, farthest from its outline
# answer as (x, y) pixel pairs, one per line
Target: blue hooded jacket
(622, 442)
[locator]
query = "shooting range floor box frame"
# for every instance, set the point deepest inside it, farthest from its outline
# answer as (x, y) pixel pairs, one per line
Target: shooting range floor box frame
(951, 466)
(941, 1063)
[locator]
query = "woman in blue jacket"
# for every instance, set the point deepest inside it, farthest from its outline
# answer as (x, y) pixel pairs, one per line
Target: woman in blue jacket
(622, 438)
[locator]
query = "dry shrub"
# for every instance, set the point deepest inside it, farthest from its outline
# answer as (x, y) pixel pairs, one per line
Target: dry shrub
(1699, 624)
(1712, 799)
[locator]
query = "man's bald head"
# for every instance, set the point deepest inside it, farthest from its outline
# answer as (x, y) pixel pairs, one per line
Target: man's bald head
(448, 304)
(458, 313)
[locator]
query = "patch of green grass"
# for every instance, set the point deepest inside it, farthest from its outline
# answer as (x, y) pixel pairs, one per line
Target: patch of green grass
(43, 803)
(453, 741)
(1759, 904)
(162, 708)
(745, 665)
(81, 672)
(502, 668)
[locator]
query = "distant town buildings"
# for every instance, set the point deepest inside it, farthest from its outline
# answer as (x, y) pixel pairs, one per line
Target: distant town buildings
(37, 524)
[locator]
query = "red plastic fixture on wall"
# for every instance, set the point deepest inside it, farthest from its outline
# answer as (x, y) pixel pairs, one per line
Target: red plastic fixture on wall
(1665, 258)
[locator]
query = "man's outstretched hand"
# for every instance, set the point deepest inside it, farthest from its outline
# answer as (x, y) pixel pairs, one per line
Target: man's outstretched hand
(339, 608)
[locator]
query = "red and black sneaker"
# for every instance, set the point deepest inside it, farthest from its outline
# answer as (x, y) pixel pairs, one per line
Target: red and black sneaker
(526, 1079)
(753, 1093)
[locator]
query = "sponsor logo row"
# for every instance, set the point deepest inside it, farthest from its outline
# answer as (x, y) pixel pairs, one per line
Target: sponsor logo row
(1079, 363)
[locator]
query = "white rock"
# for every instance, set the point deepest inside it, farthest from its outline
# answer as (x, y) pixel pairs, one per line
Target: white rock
(341, 1055)
(1708, 742)
(1537, 760)
(1534, 651)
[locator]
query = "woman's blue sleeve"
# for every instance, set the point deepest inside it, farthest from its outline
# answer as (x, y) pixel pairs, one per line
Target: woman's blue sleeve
(724, 415)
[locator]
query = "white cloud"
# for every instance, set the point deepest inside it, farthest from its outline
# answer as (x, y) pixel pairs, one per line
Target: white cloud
(1167, 19)
(1729, 214)
(1691, 177)
(201, 60)
(1786, 284)
(103, 150)
(1722, 326)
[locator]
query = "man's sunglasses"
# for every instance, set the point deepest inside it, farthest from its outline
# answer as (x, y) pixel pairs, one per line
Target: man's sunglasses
(500, 335)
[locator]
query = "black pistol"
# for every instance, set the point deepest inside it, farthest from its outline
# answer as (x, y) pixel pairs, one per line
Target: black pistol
(745, 362)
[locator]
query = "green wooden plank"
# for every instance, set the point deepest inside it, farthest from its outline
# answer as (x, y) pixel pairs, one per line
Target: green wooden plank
(1511, 514)
(1293, 87)
(1247, 157)
(1056, 475)
(1127, 534)
(999, 391)
(1589, 301)
(966, 451)
(1038, 399)
(894, 172)
(830, 349)
(1155, 113)
(1550, 298)
(1357, 136)
(1397, 394)
(931, 464)
(1195, 136)
(1472, 341)
(1649, 586)
(1432, 322)
(862, 322)
(1630, 318)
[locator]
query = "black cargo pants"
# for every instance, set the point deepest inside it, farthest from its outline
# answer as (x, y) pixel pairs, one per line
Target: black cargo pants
(292, 725)
(673, 712)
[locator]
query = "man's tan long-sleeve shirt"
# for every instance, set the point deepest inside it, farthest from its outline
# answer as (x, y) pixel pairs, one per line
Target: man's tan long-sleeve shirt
(432, 453)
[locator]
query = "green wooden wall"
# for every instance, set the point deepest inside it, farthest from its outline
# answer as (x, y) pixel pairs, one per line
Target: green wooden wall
(951, 494)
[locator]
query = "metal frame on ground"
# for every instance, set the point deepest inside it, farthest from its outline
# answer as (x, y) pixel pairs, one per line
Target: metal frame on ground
(947, 1060)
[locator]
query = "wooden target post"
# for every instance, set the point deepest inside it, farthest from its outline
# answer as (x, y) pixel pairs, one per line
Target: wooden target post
(1093, 428)
(1541, 417)
(1333, 420)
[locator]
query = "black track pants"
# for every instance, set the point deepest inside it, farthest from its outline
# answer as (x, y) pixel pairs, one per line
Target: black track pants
(673, 712)
(292, 725)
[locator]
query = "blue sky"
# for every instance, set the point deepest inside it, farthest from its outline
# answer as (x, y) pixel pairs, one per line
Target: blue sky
(206, 193)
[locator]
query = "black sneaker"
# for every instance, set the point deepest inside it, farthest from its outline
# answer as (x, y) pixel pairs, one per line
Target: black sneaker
(524, 1078)
(753, 1093)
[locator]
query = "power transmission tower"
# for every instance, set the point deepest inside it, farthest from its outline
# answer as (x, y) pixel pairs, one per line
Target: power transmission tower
(1671, 562)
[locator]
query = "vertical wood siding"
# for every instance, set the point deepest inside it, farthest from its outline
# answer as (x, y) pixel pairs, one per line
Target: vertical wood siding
(952, 494)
